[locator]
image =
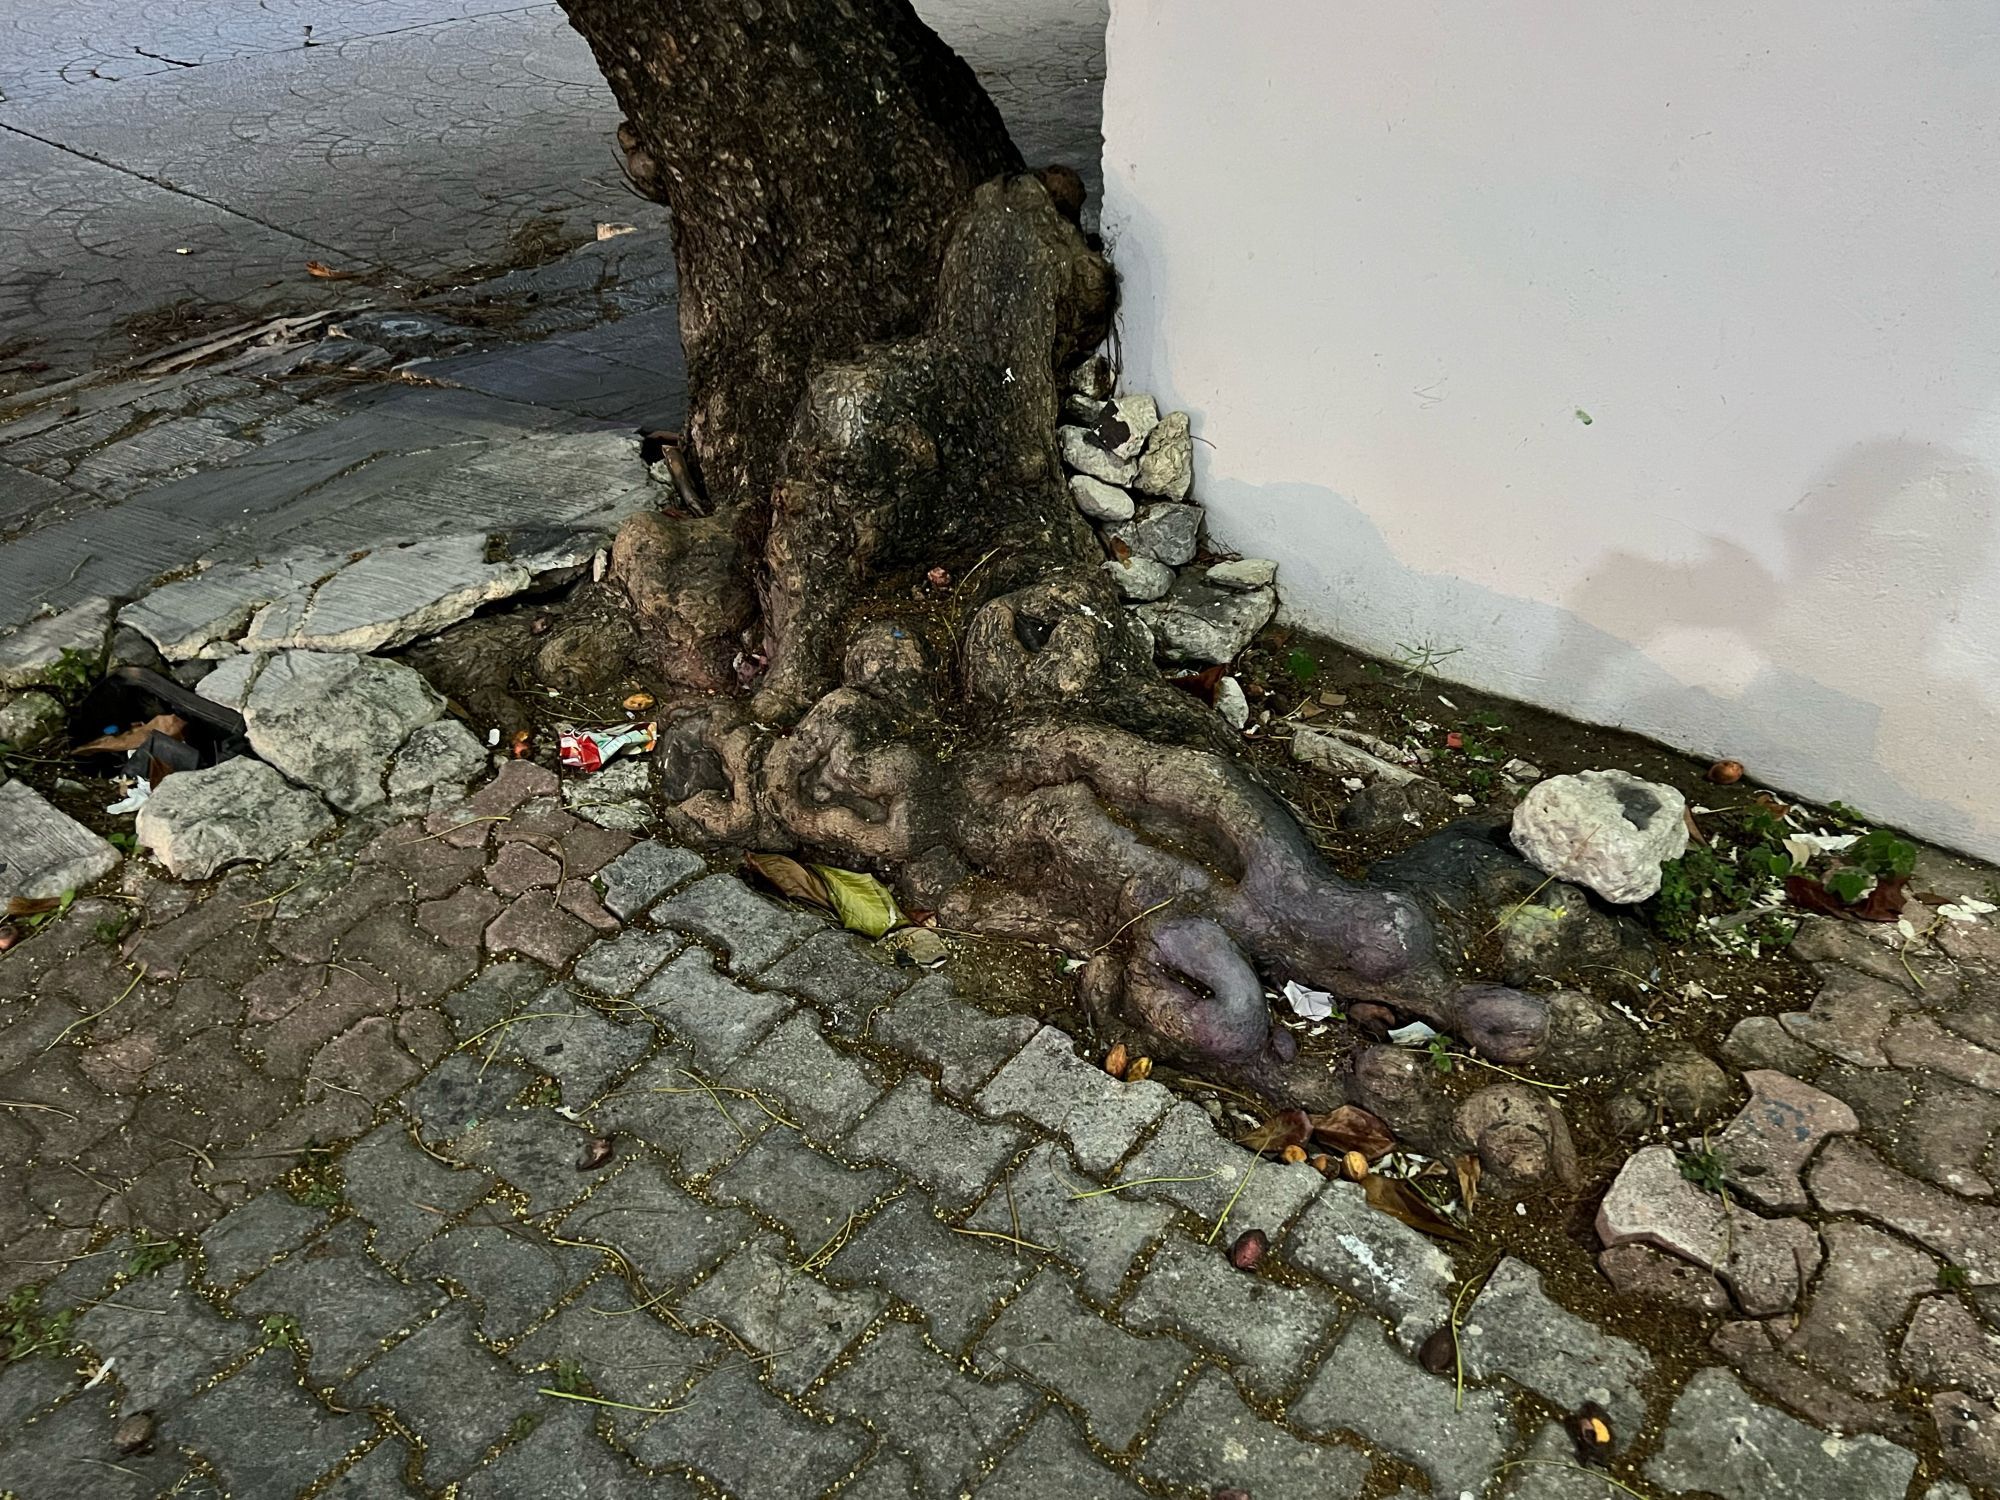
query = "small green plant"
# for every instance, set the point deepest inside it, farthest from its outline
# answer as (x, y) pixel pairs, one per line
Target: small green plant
(149, 1255)
(282, 1328)
(315, 1183)
(523, 1426)
(107, 929)
(1847, 817)
(1303, 667)
(1439, 1048)
(118, 839)
(25, 1328)
(71, 674)
(1882, 854)
(1423, 658)
(568, 1377)
(544, 1095)
(1703, 1167)
(1954, 1278)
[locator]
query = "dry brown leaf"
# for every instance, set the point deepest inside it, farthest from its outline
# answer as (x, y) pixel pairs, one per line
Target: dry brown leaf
(1139, 1070)
(32, 906)
(325, 272)
(788, 877)
(1289, 1127)
(173, 726)
(1468, 1169)
(1401, 1201)
(1352, 1128)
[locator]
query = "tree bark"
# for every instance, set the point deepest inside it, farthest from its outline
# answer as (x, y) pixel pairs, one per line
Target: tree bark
(937, 680)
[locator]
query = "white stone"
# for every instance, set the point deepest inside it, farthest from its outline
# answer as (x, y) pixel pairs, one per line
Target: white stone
(230, 682)
(43, 850)
(436, 761)
(1196, 623)
(1100, 501)
(1139, 414)
(196, 822)
(1328, 750)
(1165, 532)
(1166, 468)
(28, 651)
(334, 722)
(1140, 579)
(28, 719)
(1081, 453)
(1231, 704)
(1608, 830)
(1244, 573)
(1093, 377)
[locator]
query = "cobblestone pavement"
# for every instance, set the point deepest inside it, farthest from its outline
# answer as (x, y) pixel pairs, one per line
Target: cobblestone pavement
(201, 152)
(496, 1150)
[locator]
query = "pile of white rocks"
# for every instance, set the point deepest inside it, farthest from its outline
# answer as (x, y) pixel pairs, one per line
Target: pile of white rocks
(1132, 474)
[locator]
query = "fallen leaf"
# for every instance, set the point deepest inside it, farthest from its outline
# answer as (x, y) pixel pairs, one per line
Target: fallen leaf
(1201, 684)
(788, 877)
(326, 272)
(1882, 904)
(596, 1152)
(1468, 1169)
(919, 946)
(1590, 1428)
(1139, 1070)
(1288, 1127)
(1693, 828)
(1120, 550)
(1886, 901)
(862, 902)
(134, 1434)
(1352, 1128)
(1401, 1201)
(33, 906)
(173, 726)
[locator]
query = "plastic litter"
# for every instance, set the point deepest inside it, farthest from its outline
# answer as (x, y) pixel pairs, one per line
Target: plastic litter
(593, 749)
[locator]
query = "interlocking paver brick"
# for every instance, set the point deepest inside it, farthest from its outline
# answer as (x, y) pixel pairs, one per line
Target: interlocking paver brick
(1099, 1115)
(346, 1306)
(60, 1455)
(625, 1352)
(248, 1238)
(927, 1409)
(535, 927)
(1265, 1329)
(517, 1274)
(1116, 1379)
(520, 868)
(1722, 1442)
(748, 1442)
(263, 1434)
(670, 1103)
(1205, 1175)
(448, 1390)
(954, 1280)
(533, 1150)
(951, 1154)
(964, 1044)
(460, 920)
(784, 1312)
(1052, 1460)
(1042, 1201)
(846, 979)
(718, 1018)
(565, 1459)
(1213, 1441)
(814, 1197)
(823, 1089)
(751, 931)
(667, 1236)
(378, 1473)
(461, 1091)
(619, 966)
(644, 873)
(1457, 1437)
(1389, 1266)
(1512, 1328)
(405, 1195)
(574, 1043)
(163, 1338)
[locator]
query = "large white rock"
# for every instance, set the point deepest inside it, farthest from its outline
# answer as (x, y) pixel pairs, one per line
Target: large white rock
(1137, 415)
(1081, 453)
(198, 821)
(43, 850)
(1140, 579)
(28, 653)
(1609, 830)
(1196, 623)
(1165, 532)
(334, 721)
(1166, 467)
(1098, 500)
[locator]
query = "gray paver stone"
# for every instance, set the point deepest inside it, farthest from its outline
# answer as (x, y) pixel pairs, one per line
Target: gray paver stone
(839, 973)
(928, 1409)
(813, 1197)
(966, 1045)
(1115, 1378)
(665, 1105)
(1100, 1235)
(644, 873)
(667, 1236)
(1849, 1178)
(753, 932)
(47, 851)
(565, 1459)
(822, 1089)
(625, 1355)
(618, 966)
(447, 1390)
(1099, 1115)
(498, 991)
(750, 1443)
(1368, 1387)
(1186, 1146)
(954, 1280)
(578, 1046)
(404, 1194)
(163, 1338)
(345, 1304)
(1052, 1460)
(460, 1092)
(1211, 1440)
(248, 1238)
(534, 1150)
(60, 1455)
(517, 1276)
(782, 1311)
(264, 1434)
(1512, 1328)
(1387, 1265)
(1265, 1329)
(951, 1154)
(718, 1018)
(1722, 1441)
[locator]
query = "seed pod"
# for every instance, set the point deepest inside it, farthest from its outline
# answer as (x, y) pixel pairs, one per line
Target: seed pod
(1323, 1164)
(1726, 772)
(1354, 1166)
(1591, 1430)
(1139, 1070)
(1248, 1252)
(134, 1434)
(1439, 1352)
(1292, 1155)
(1115, 1060)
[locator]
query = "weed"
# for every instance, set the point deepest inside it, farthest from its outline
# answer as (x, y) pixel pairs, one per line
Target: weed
(523, 1426)
(315, 1184)
(71, 674)
(26, 1329)
(107, 929)
(544, 1095)
(1954, 1278)
(149, 1255)
(1423, 658)
(282, 1328)
(1439, 1048)
(1703, 1168)
(1303, 667)
(568, 1377)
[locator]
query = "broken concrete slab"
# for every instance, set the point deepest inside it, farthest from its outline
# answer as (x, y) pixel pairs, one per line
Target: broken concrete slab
(436, 762)
(334, 721)
(28, 719)
(217, 603)
(196, 822)
(28, 653)
(43, 850)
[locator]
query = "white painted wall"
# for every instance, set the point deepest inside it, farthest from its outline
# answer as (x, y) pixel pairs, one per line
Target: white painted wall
(1385, 251)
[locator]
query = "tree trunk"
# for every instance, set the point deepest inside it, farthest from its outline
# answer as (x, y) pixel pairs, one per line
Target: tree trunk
(937, 680)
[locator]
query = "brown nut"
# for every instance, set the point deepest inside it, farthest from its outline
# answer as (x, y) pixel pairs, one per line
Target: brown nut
(1354, 1166)
(1139, 1070)
(1115, 1061)
(1439, 1352)
(1726, 772)
(1248, 1252)
(1323, 1164)
(1292, 1155)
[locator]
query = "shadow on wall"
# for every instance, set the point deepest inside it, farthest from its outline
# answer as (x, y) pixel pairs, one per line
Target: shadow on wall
(1592, 660)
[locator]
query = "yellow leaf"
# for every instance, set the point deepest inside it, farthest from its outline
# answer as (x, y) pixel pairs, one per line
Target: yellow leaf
(862, 902)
